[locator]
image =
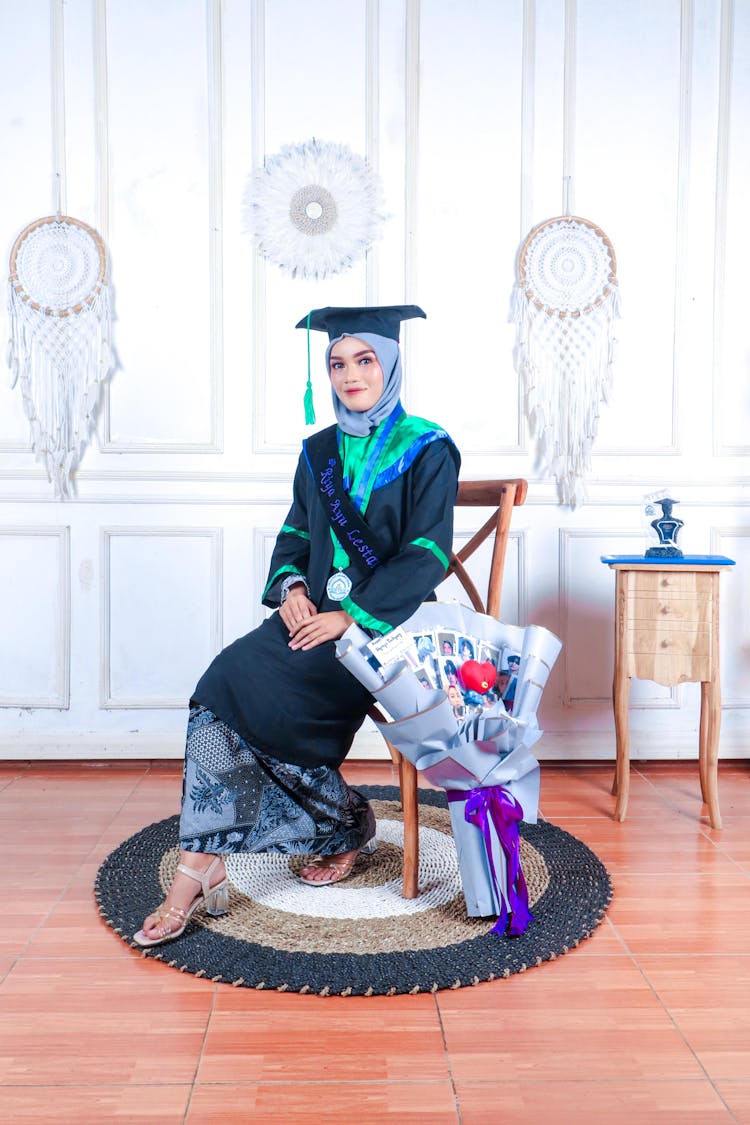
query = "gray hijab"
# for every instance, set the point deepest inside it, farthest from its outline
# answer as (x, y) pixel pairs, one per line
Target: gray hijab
(362, 423)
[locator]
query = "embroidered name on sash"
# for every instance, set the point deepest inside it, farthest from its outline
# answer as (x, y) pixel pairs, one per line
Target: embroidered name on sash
(356, 536)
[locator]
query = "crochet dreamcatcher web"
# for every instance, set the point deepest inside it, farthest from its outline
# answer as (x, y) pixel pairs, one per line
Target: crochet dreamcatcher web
(314, 209)
(59, 350)
(565, 303)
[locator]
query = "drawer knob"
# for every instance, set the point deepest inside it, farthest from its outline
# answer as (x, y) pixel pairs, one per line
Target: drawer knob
(665, 644)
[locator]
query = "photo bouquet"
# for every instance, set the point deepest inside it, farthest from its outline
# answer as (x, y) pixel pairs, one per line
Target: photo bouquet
(462, 690)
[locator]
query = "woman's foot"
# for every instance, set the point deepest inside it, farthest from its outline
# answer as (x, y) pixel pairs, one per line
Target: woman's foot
(185, 895)
(328, 869)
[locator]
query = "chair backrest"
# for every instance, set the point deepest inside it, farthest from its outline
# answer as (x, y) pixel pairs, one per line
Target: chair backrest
(507, 495)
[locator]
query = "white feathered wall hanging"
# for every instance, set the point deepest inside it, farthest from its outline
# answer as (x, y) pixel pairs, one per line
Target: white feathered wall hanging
(565, 304)
(60, 342)
(314, 209)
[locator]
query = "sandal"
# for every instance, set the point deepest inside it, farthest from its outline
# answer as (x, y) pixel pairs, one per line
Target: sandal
(215, 899)
(339, 870)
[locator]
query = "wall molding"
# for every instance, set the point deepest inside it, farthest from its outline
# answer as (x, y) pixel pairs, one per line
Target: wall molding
(372, 128)
(60, 700)
(554, 746)
(107, 701)
(214, 109)
(570, 89)
(721, 219)
(684, 154)
(262, 537)
(718, 547)
(59, 148)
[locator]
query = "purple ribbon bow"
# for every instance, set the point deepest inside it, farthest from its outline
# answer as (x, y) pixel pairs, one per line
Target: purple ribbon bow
(493, 806)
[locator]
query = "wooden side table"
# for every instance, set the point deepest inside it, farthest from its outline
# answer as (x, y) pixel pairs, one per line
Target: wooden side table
(667, 630)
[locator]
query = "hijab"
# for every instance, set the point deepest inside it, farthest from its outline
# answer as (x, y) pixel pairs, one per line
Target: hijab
(361, 423)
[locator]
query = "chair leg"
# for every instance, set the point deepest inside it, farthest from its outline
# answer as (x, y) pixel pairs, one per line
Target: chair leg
(410, 805)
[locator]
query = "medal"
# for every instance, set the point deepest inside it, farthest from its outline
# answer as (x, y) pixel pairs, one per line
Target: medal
(338, 586)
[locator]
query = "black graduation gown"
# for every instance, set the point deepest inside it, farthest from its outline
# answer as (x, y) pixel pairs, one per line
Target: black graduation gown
(304, 707)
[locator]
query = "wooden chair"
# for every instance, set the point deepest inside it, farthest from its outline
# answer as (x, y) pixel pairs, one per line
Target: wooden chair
(504, 495)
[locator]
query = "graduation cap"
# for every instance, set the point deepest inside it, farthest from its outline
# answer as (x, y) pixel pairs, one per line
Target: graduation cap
(382, 320)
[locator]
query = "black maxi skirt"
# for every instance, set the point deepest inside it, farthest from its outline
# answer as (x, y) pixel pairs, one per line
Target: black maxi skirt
(268, 729)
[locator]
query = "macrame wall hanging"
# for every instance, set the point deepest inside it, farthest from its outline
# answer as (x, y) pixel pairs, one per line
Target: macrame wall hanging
(565, 304)
(314, 209)
(59, 351)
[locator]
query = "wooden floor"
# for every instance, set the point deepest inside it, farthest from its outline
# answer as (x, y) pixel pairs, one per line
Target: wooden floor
(648, 1021)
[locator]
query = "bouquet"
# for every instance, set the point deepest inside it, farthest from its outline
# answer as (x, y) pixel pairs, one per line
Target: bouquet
(462, 690)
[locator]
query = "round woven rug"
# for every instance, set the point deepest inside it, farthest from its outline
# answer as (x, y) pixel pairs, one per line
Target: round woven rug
(360, 937)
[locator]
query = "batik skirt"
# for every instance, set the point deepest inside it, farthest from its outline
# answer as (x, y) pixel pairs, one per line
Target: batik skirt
(236, 798)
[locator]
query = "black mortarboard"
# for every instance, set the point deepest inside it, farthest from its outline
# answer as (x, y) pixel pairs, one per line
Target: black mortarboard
(383, 320)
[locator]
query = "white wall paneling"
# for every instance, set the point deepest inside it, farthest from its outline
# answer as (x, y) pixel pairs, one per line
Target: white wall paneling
(732, 237)
(164, 223)
(466, 208)
(161, 613)
(29, 38)
(734, 542)
(482, 120)
(35, 611)
(628, 146)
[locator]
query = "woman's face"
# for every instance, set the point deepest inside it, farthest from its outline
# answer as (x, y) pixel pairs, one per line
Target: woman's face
(356, 375)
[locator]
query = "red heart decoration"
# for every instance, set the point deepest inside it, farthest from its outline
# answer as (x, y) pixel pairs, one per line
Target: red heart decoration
(477, 677)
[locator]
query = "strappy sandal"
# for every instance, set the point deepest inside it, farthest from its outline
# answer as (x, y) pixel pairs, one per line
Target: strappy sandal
(215, 899)
(340, 870)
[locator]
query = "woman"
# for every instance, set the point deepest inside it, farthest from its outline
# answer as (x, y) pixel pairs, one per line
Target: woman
(367, 539)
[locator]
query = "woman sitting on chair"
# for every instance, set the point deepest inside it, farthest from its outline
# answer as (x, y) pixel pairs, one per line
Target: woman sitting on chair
(367, 539)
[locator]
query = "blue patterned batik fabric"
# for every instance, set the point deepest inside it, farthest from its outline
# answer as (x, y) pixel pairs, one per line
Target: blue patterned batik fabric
(237, 799)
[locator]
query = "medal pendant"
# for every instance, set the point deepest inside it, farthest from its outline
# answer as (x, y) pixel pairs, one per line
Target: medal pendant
(338, 586)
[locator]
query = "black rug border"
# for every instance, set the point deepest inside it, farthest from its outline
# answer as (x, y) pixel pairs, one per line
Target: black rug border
(566, 913)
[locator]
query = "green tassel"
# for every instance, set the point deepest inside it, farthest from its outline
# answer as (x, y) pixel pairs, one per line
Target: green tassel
(309, 408)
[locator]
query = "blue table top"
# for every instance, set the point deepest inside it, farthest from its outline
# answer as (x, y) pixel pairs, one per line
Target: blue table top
(670, 560)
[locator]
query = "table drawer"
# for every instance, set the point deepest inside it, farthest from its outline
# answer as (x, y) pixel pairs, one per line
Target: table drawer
(671, 583)
(660, 610)
(673, 642)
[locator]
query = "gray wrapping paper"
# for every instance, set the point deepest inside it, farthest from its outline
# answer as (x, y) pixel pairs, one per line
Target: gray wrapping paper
(491, 748)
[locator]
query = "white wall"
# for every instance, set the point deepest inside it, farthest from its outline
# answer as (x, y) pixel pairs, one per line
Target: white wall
(154, 112)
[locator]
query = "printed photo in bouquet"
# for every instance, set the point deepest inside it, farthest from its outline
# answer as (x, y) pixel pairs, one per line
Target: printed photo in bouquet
(453, 691)
(449, 673)
(424, 679)
(447, 643)
(488, 652)
(508, 678)
(426, 650)
(465, 648)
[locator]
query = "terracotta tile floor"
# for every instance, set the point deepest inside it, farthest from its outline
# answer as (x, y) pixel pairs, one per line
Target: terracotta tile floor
(647, 1021)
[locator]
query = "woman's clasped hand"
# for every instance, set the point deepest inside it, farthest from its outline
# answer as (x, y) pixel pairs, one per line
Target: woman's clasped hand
(309, 628)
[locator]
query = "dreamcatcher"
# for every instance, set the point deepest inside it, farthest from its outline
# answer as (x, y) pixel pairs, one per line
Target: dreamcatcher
(565, 303)
(314, 208)
(59, 309)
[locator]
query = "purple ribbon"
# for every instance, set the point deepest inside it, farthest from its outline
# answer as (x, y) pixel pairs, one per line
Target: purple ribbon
(488, 807)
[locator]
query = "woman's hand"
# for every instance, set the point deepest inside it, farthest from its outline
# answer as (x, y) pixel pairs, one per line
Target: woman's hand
(297, 608)
(317, 630)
